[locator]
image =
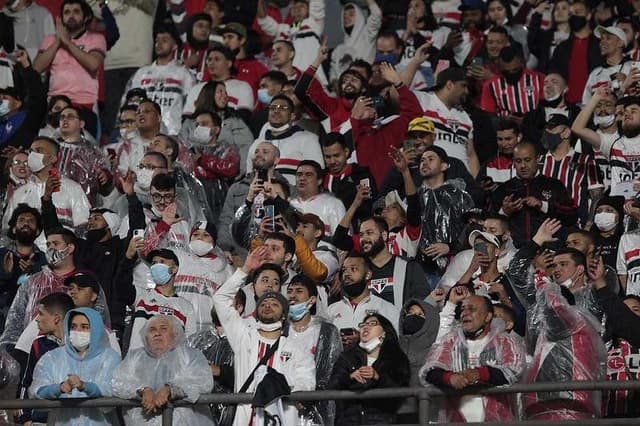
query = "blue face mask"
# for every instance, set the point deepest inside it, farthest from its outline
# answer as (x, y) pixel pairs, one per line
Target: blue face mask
(298, 311)
(160, 273)
(392, 58)
(4, 107)
(264, 97)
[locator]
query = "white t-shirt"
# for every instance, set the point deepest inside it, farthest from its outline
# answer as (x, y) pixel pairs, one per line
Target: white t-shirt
(624, 162)
(471, 406)
(628, 262)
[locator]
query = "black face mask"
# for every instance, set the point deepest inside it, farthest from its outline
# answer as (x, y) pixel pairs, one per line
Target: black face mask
(512, 77)
(576, 23)
(96, 234)
(354, 290)
(412, 323)
(474, 334)
(550, 140)
(554, 103)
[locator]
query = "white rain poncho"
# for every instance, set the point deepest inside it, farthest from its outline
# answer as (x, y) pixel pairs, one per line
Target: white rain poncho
(95, 369)
(24, 307)
(184, 369)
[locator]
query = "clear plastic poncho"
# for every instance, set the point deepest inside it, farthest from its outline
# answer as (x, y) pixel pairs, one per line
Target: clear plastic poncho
(184, 369)
(80, 162)
(217, 351)
(442, 208)
(24, 307)
(502, 351)
(568, 347)
(244, 227)
(198, 205)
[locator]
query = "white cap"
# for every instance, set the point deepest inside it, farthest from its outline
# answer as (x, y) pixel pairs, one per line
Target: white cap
(392, 198)
(113, 221)
(612, 30)
(492, 239)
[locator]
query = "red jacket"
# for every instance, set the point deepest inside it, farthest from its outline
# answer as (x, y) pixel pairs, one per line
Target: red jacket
(372, 145)
(211, 167)
(319, 104)
(250, 70)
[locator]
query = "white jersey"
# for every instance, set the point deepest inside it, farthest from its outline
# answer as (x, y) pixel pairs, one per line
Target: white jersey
(289, 359)
(601, 77)
(168, 85)
(454, 128)
(240, 95)
(326, 206)
(602, 161)
(624, 162)
(628, 262)
(197, 280)
(151, 302)
(343, 314)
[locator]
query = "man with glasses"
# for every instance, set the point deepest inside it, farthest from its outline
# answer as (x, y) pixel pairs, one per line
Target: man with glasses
(294, 143)
(80, 160)
(148, 118)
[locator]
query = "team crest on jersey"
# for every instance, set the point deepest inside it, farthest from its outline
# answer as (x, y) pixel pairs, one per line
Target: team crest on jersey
(285, 356)
(166, 310)
(547, 194)
(378, 285)
(370, 311)
(528, 90)
(453, 124)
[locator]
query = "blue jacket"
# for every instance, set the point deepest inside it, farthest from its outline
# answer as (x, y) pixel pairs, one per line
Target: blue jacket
(94, 369)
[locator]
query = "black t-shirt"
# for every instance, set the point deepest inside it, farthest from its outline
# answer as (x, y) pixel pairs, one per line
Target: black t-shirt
(608, 248)
(381, 283)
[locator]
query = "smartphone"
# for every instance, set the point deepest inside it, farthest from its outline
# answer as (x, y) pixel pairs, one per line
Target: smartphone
(377, 101)
(269, 211)
(478, 61)
(365, 182)
(263, 175)
(481, 247)
(138, 233)
(408, 144)
(55, 173)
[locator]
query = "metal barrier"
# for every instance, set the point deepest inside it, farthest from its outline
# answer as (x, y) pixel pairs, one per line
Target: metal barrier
(424, 396)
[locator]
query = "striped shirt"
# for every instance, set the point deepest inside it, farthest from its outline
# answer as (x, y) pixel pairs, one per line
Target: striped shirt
(577, 171)
(624, 160)
(629, 261)
(500, 169)
(502, 98)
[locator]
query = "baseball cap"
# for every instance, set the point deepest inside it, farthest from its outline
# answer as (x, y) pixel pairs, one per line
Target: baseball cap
(234, 27)
(490, 238)
(163, 253)
(558, 120)
(421, 124)
(83, 279)
(613, 30)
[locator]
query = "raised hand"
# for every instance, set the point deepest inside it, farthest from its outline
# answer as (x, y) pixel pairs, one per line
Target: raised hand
(547, 231)
(255, 259)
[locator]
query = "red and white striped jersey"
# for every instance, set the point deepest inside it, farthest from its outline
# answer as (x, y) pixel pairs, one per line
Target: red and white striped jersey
(629, 261)
(500, 97)
(500, 169)
(577, 171)
(601, 76)
(624, 159)
(446, 12)
(454, 128)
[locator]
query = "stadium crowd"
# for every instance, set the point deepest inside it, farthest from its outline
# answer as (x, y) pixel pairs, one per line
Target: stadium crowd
(206, 196)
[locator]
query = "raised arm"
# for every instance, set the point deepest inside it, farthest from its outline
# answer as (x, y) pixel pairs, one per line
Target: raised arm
(580, 124)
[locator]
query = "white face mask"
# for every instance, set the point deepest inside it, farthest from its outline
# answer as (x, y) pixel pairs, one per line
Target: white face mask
(372, 344)
(201, 135)
(143, 178)
(604, 121)
(279, 129)
(605, 221)
(200, 248)
(127, 134)
(269, 327)
(35, 161)
(568, 283)
(80, 339)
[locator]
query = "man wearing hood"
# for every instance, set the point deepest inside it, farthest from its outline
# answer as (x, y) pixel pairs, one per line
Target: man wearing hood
(418, 328)
(194, 50)
(164, 370)
(82, 368)
(490, 357)
(360, 33)
(265, 343)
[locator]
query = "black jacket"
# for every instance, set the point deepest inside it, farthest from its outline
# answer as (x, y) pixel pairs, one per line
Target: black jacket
(534, 121)
(103, 258)
(562, 55)
(345, 190)
(392, 366)
(526, 222)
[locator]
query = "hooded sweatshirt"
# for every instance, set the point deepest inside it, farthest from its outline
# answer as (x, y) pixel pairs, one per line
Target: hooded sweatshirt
(360, 42)
(95, 369)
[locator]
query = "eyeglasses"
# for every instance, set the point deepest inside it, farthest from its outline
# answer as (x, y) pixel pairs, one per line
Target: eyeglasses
(167, 198)
(19, 163)
(371, 323)
(277, 107)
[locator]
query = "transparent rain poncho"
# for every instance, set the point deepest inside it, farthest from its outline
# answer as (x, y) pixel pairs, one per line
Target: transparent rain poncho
(80, 162)
(442, 209)
(217, 351)
(568, 347)
(503, 351)
(244, 227)
(184, 369)
(23, 310)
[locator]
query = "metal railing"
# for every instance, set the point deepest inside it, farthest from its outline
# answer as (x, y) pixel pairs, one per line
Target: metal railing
(423, 395)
